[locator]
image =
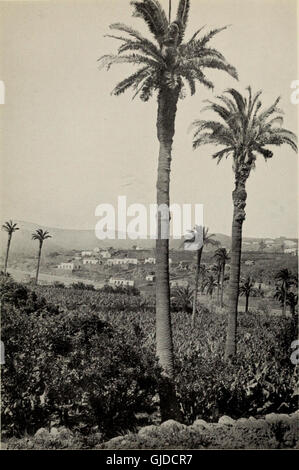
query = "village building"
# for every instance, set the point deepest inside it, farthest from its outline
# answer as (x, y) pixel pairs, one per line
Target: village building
(90, 261)
(291, 251)
(121, 282)
(150, 278)
(121, 261)
(150, 261)
(86, 253)
(69, 266)
(249, 262)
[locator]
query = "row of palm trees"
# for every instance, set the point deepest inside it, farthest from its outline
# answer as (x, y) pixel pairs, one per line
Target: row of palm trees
(40, 235)
(243, 129)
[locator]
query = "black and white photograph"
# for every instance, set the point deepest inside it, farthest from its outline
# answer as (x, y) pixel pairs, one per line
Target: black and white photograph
(149, 227)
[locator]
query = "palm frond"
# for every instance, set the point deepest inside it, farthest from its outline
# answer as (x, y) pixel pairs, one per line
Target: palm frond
(154, 16)
(131, 81)
(182, 17)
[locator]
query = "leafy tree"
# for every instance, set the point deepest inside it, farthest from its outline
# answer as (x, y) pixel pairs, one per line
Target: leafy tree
(167, 65)
(41, 236)
(10, 228)
(262, 245)
(244, 131)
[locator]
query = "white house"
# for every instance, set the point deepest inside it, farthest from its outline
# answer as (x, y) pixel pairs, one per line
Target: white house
(121, 261)
(86, 253)
(150, 261)
(269, 242)
(291, 251)
(90, 261)
(249, 262)
(179, 283)
(121, 282)
(96, 250)
(70, 266)
(150, 278)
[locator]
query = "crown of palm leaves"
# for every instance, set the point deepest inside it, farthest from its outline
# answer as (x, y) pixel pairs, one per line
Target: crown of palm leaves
(245, 129)
(10, 227)
(167, 61)
(41, 235)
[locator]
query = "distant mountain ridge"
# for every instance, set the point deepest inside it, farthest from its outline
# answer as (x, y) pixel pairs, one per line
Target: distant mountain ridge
(72, 239)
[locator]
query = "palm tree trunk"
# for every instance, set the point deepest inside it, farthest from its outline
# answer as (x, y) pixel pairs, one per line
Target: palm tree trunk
(38, 262)
(284, 310)
(239, 201)
(218, 287)
(222, 284)
(194, 304)
(7, 252)
(167, 105)
(169, 11)
(246, 303)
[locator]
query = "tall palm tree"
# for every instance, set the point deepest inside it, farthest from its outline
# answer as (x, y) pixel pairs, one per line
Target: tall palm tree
(286, 279)
(222, 257)
(167, 65)
(202, 234)
(41, 236)
(245, 131)
(10, 228)
(247, 288)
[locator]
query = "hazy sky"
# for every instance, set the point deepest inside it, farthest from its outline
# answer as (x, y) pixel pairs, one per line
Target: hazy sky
(67, 145)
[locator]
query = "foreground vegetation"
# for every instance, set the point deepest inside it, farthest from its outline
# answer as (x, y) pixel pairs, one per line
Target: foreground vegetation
(75, 359)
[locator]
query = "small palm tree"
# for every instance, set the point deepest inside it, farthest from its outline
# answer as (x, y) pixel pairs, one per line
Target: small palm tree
(247, 289)
(222, 257)
(10, 228)
(202, 234)
(244, 131)
(216, 270)
(41, 236)
(286, 279)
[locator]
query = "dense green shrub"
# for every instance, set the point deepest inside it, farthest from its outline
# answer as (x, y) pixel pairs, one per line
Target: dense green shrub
(90, 364)
(71, 367)
(82, 286)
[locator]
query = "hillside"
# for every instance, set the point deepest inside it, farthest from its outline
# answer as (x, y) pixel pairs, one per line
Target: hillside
(65, 240)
